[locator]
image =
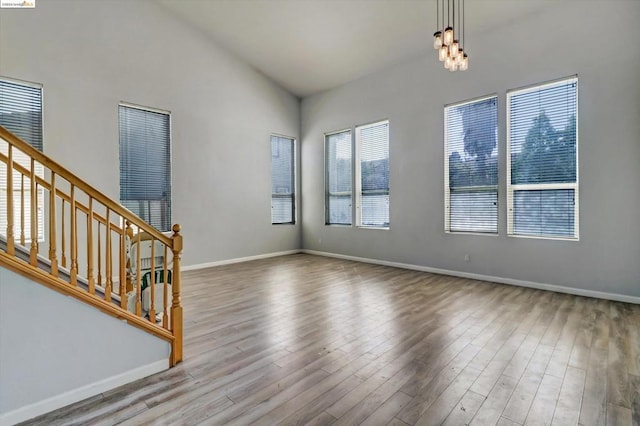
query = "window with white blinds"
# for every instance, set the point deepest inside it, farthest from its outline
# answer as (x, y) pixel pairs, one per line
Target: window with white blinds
(21, 114)
(372, 175)
(283, 178)
(542, 188)
(145, 164)
(471, 166)
(338, 178)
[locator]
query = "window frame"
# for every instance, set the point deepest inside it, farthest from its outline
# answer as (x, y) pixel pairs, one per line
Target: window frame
(40, 208)
(512, 188)
(447, 189)
(294, 173)
(169, 156)
(357, 171)
(327, 192)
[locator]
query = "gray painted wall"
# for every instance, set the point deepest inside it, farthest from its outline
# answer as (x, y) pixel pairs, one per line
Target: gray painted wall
(90, 55)
(51, 344)
(561, 41)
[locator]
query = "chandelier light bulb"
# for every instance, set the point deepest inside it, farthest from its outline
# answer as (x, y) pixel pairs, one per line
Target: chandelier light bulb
(448, 36)
(448, 62)
(442, 53)
(453, 49)
(465, 63)
(460, 56)
(437, 40)
(454, 66)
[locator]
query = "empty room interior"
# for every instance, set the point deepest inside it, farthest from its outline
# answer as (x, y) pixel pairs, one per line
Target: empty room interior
(380, 212)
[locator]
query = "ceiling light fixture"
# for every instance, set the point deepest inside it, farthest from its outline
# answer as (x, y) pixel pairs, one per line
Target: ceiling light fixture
(449, 41)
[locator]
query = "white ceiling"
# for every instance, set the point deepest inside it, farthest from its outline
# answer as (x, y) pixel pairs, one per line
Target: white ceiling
(308, 46)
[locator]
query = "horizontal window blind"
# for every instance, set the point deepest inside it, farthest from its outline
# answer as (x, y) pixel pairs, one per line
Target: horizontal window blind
(338, 154)
(145, 164)
(21, 114)
(471, 166)
(373, 151)
(543, 173)
(21, 111)
(544, 212)
(282, 180)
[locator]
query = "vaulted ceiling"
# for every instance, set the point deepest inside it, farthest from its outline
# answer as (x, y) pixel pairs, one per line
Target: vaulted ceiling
(308, 46)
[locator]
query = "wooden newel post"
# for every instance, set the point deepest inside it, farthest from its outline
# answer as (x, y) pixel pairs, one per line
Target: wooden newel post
(176, 304)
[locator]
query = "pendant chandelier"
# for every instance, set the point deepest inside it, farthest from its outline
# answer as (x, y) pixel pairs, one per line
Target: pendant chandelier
(448, 41)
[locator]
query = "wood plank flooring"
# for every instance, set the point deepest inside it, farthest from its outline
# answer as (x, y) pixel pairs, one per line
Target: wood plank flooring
(303, 339)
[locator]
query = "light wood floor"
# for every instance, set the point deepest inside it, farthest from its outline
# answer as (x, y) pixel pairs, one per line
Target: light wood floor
(309, 340)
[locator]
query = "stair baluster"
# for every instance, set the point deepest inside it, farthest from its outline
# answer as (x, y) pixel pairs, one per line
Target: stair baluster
(10, 241)
(33, 255)
(63, 243)
(52, 226)
(107, 266)
(22, 210)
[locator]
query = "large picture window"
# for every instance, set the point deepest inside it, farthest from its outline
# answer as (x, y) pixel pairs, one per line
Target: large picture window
(372, 175)
(21, 114)
(542, 143)
(338, 195)
(471, 166)
(283, 178)
(145, 164)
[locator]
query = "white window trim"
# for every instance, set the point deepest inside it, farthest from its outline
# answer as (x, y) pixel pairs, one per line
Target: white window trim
(24, 83)
(511, 188)
(147, 108)
(447, 191)
(358, 177)
(326, 189)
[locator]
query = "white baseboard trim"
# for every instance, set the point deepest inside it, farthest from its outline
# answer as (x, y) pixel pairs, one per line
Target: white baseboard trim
(501, 280)
(239, 260)
(58, 401)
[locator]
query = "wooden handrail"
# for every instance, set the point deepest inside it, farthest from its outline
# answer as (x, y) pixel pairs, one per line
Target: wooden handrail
(80, 184)
(81, 212)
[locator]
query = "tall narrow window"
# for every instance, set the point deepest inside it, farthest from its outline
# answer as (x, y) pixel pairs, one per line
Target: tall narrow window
(145, 164)
(542, 190)
(283, 178)
(21, 114)
(338, 155)
(372, 175)
(471, 166)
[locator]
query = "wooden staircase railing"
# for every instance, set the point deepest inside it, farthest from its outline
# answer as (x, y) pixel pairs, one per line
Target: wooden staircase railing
(65, 234)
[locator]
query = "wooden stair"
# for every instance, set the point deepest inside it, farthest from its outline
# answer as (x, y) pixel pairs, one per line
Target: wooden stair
(84, 251)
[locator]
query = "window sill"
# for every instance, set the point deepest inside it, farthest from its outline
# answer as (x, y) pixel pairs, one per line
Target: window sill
(484, 234)
(537, 237)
